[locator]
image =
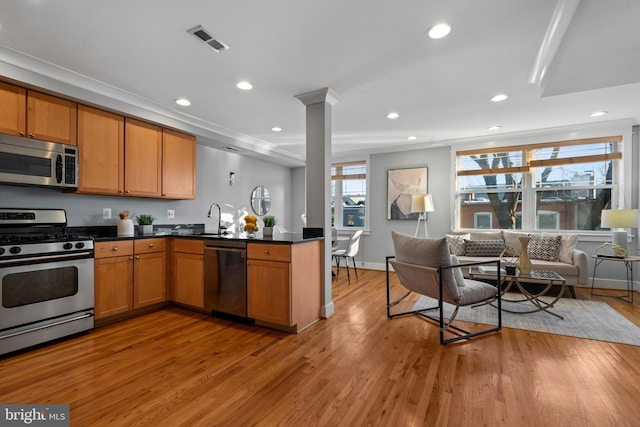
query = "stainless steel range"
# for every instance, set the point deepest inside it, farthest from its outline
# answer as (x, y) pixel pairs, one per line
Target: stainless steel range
(46, 278)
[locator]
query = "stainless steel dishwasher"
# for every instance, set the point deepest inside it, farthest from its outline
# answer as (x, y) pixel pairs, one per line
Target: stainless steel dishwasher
(225, 277)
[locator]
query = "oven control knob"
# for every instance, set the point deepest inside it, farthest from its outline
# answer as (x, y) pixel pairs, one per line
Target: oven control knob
(68, 246)
(79, 245)
(1, 251)
(15, 250)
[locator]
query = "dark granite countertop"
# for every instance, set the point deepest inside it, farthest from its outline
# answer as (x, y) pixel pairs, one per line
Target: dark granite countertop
(190, 231)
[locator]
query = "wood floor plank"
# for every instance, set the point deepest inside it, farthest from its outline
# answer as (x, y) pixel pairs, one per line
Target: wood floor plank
(179, 368)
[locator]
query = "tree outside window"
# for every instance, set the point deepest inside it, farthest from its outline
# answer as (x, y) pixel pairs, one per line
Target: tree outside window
(554, 186)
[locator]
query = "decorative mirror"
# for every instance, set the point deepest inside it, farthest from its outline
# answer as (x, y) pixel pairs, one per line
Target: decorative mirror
(260, 200)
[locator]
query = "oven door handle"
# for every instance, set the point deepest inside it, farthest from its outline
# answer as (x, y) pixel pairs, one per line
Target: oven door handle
(75, 255)
(48, 325)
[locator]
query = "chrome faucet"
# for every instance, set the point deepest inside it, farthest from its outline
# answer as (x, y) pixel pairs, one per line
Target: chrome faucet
(219, 216)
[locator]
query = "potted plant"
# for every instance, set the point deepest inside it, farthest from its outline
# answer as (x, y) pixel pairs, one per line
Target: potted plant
(269, 223)
(145, 221)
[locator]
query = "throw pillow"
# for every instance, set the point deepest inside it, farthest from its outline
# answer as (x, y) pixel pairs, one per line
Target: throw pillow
(456, 243)
(484, 248)
(567, 245)
(512, 242)
(544, 248)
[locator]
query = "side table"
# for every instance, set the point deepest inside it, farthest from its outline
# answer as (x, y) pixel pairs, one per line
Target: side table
(628, 262)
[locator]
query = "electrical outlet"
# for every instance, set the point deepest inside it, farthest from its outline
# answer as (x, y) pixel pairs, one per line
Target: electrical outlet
(171, 214)
(106, 213)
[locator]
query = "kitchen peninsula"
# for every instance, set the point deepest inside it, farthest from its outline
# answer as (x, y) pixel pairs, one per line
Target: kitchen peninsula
(283, 275)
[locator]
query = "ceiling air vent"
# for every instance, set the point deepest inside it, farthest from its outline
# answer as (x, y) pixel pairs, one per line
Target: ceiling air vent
(203, 35)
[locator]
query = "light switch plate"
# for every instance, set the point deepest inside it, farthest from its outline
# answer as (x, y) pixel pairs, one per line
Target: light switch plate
(171, 214)
(106, 213)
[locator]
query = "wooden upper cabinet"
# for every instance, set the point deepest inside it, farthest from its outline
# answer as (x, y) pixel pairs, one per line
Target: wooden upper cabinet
(13, 109)
(178, 165)
(143, 159)
(101, 152)
(51, 119)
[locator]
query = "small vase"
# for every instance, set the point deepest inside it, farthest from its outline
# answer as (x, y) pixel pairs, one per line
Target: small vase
(524, 263)
(146, 229)
(267, 232)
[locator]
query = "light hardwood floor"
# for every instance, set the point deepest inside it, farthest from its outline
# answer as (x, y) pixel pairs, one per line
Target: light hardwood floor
(175, 367)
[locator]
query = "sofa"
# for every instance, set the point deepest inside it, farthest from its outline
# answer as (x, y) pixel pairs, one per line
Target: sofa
(547, 251)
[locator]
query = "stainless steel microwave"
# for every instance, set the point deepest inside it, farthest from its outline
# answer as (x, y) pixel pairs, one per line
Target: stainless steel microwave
(27, 161)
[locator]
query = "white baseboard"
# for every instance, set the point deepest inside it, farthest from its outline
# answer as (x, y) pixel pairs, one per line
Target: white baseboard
(327, 311)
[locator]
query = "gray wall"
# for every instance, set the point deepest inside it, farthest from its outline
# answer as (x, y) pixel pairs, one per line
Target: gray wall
(213, 167)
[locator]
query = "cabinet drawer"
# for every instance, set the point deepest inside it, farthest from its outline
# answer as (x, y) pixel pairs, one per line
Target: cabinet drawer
(113, 248)
(145, 246)
(188, 245)
(269, 252)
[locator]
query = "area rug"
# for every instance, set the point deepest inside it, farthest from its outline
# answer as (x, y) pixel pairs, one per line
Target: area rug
(594, 320)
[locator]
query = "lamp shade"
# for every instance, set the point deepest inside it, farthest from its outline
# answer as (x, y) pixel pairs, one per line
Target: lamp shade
(619, 218)
(417, 203)
(428, 203)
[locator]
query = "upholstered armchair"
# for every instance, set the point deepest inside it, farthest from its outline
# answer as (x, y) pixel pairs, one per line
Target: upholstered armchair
(425, 266)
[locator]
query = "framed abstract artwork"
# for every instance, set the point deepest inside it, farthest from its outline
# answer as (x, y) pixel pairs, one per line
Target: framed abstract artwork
(402, 184)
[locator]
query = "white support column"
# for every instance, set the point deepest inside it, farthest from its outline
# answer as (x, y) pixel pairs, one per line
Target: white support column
(318, 177)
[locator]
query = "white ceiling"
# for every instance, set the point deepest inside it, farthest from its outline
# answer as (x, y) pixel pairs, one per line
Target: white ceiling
(137, 56)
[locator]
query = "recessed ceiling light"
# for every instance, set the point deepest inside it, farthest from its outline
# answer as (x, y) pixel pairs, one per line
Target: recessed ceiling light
(494, 127)
(276, 129)
(244, 85)
(598, 114)
(499, 97)
(411, 138)
(393, 115)
(183, 101)
(439, 31)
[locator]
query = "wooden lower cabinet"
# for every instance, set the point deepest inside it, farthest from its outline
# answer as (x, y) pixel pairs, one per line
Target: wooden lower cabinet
(149, 279)
(187, 272)
(269, 291)
(284, 284)
(113, 278)
(129, 275)
(149, 272)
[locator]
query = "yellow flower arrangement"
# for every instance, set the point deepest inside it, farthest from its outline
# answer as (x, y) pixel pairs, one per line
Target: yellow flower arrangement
(251, 223)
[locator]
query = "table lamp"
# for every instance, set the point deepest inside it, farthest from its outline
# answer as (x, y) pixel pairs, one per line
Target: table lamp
(617, 220)
(422, 203)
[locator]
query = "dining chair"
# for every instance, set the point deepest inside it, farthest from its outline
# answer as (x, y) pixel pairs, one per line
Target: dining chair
(350, 251)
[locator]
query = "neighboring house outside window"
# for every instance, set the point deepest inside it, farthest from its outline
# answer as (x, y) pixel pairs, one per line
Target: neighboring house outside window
(549, 186)
(349, 194)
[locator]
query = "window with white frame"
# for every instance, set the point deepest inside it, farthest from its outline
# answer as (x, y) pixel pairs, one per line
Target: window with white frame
(550, 186)
(349, 194)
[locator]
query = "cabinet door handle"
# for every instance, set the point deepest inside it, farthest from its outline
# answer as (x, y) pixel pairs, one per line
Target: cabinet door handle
(115, 248)
(21, 133)
(266, 251)
(137, 256)
(202, 257)
(151, 245)
(31, 135)
(126, 191)
(131, 257)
